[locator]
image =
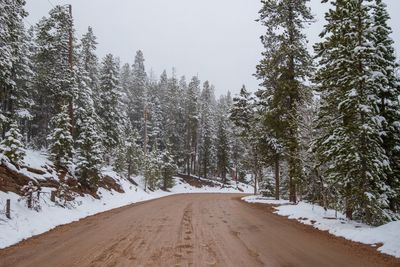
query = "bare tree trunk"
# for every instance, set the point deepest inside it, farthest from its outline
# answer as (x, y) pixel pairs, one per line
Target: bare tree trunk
(256, 171)
(349, 209)
(255, 183)
(195, 160)
(277, 178)
(129, 170)
(205, 169)
(191, 163)
(292, 190)
(188, 165)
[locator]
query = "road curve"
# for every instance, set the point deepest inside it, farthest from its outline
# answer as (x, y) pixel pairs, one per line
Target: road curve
(190, 230)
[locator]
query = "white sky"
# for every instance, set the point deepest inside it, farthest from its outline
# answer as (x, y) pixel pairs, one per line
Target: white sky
(216, 39)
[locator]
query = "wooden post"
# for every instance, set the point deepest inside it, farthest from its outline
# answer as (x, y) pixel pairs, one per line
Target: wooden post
(53, 196)
(30, 200)
(8, 210)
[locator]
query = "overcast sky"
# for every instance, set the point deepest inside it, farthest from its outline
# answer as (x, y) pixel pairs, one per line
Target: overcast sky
(216, 39)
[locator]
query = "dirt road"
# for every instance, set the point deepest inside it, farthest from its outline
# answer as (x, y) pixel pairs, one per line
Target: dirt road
(190, 230)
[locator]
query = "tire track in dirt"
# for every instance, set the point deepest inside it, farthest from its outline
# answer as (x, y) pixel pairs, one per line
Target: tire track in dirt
(184, 248)
(209, 253)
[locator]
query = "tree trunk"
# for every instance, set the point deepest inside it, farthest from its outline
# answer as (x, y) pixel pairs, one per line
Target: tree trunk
(191, 164)
(255, 183)
(256, 171)
(277, 178)
(188, 165)
(348, 207)
(165, 181)
(205, 169)
(195, 160)
(292, 190)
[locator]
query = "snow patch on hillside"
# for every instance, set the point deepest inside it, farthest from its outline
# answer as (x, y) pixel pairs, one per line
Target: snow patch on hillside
(26, 223)
(36, 159)
(336, 223)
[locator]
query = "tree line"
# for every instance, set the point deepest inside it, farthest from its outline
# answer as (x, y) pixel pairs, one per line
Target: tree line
(328, 124)
(88, 113)
(322, 127)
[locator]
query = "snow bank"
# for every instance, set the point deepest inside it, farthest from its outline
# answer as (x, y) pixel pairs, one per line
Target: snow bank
(265, 200)
(182, 188)
(336, 223)
(26, 223)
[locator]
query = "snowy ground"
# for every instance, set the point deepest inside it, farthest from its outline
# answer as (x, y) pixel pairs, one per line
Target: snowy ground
(26, 223)
(335, 223)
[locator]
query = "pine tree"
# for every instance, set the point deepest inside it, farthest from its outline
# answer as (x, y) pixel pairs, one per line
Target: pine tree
(192, 123)
(137, 92)
(284, 68)
(12, 146)
(54, 82)
(109, 111)
(237, 144)
(134, 153)
(156, 131)
(24, 94)
(60, 139)
(174, 126)
(222, 142)
(84, 103)
(167, 169)
(181, 123)
(238, 149)
(89, 71)
(207, 131)
(86, 78)
(15, 61)
(351, 146)
(89, 58)
(128, 155)
(163, 87)
(242, 112)
(152, 172)
(388, 92)
(88, 142)
(125, 80)
(273, 126)
(89, 152)
(313, 185)
(246, 119)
